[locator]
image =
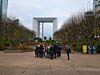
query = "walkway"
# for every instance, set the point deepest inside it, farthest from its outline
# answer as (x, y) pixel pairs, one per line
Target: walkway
(26, 64)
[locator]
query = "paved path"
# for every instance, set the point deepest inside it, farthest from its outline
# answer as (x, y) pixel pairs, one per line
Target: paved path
(26, 64)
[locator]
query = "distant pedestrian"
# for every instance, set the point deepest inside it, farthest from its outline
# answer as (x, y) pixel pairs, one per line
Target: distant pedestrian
(90, 49)
(51, 52)
(37, 51)
(41, 51)
(67, 51)
(94, 49)
(55, 51)
(59, 47)
(44, 50)
(48, 51)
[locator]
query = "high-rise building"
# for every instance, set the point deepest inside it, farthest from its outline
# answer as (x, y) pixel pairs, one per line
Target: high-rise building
(96, 7)
(3, 9)
(96, 4)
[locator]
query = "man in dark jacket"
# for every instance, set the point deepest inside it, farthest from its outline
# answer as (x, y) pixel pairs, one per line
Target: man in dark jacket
(36, 51)
(51, 52)
(59, 47)
(68, 51)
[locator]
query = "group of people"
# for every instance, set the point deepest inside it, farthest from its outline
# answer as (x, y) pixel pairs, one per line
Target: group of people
(49, 51)
(53, 51)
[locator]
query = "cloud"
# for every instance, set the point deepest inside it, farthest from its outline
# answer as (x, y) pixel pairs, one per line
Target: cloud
(25, 10)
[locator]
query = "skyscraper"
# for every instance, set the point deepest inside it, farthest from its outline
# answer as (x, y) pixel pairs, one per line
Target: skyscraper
(96, 7)
(96, 4)
(3, 9)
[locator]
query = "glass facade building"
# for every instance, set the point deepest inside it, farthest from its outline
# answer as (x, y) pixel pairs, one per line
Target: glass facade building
(3, 9)
(96, 6)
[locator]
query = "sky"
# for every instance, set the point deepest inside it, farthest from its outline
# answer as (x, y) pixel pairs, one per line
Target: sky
(25, 10)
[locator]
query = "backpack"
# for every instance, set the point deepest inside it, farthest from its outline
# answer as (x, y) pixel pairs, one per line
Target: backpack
(67, 47)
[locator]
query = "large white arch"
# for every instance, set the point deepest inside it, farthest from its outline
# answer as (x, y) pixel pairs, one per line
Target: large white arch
(37, 20)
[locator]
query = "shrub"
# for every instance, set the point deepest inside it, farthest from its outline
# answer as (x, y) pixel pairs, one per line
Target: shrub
(98, 46)
(78, 47)
(3, 45)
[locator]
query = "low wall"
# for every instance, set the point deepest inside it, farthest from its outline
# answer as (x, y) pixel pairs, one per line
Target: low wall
(17, 51)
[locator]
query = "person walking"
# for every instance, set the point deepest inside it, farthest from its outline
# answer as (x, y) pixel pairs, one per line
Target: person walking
(68, 51)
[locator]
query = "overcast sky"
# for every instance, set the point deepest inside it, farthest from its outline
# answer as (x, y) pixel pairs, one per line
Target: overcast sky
(25, 10)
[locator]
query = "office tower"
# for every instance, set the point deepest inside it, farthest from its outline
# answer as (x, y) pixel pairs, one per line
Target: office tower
(3, 10)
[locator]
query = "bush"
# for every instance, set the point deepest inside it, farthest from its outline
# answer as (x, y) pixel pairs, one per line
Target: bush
(77, 48)
(48, 42)
(98, 46)
(3, 45)
(37, 39)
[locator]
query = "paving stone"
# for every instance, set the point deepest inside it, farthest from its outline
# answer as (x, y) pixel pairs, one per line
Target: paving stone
(27, 64)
